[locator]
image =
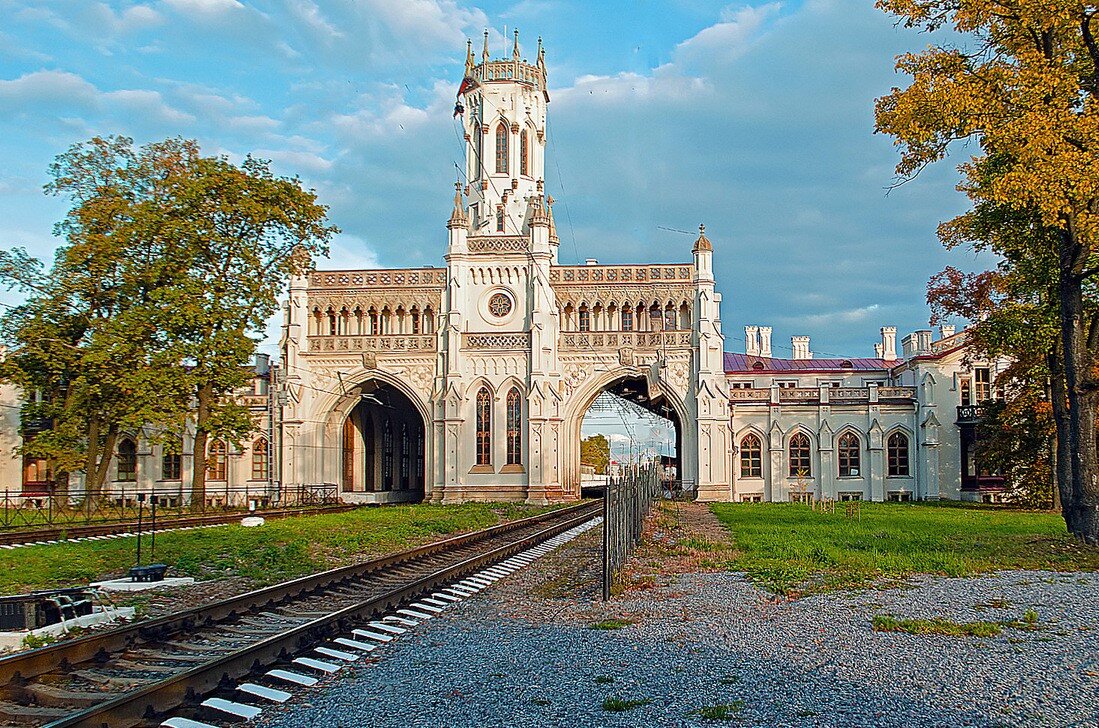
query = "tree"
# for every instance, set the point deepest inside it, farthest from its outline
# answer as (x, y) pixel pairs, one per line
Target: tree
(1021, 80)
(83, 347)
(242, 232)
(596, 451)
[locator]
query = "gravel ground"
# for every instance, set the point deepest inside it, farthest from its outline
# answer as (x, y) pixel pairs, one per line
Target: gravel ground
(520, 654)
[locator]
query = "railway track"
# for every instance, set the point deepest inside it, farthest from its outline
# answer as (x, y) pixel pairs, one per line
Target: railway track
(140, 674)
(55, 533)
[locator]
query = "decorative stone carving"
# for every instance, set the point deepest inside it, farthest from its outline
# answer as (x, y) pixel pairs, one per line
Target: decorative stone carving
(505, 342)
(370, 360)
(390, 277)
(498, 245)
(625, 356)
(620, 273)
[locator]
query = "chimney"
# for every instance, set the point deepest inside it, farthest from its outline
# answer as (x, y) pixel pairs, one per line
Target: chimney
(751, 339)
(888, 347)
(945, 332)
(765, 341)
(591, 261)
(916, 343)
(800, 345)
(263, 364)
(923, 337)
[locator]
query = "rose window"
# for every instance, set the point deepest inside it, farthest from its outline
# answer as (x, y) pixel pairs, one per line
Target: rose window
(499, 305)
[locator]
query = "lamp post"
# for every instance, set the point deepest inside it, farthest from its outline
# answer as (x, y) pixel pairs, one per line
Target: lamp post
(140, 508)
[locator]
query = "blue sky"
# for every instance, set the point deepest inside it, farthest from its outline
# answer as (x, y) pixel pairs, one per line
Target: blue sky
(754, 119)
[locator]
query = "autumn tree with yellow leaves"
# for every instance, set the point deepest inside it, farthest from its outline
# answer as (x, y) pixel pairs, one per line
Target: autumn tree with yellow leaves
(1020, 80)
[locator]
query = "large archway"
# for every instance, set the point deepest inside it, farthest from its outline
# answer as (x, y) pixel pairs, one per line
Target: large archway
(634, 412)
(382, 446)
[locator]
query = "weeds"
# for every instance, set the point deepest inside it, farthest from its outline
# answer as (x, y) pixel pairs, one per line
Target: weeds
(726, 711)
(611, 624)
(938, 625)
(619, 705)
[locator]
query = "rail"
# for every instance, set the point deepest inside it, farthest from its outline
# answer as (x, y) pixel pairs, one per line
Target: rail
(347, 594)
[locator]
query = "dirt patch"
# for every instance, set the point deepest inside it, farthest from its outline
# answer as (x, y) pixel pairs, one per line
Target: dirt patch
(172, 600)
(678, 538)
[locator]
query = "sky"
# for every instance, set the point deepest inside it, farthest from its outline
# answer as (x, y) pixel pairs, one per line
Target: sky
(755, 119)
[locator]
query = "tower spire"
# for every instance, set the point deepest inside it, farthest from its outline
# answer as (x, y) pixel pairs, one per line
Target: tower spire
(469, 57)
(515, 48)
(458, 216)
(484, 53)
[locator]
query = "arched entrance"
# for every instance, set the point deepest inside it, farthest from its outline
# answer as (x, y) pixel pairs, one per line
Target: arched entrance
(640, 410)
(382, 446)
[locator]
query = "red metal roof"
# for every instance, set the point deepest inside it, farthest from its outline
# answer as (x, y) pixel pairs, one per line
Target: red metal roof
(750, 364)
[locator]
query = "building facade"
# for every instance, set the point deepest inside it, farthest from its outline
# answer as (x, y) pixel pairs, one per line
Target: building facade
(470, 380)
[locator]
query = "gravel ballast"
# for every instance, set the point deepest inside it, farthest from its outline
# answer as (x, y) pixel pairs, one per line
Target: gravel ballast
(513, 656)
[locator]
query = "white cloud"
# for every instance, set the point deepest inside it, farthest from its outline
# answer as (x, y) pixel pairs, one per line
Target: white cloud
(47, 87)
(293, 162)
(148, 105)
(204, 7)
(729, 39)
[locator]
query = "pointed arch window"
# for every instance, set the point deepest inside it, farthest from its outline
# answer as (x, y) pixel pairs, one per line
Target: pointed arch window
(848, 455)
(751, 457)
(478, 151)
(499, 218)
(217, 460)
(670, 323)
(387, 456)
(347, 454)
(127, 460)
(502, 148)
(260, 459)
(627, 318)
(800, 464)
(524, 154)
(585, 318)
(897, 447)
(514, 427)
(484, 427)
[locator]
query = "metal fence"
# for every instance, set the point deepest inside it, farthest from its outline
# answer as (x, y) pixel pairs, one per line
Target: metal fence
(626, 502)
(119, 503)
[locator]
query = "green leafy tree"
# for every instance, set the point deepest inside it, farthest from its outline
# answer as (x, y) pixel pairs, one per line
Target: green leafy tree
(596, 451)
(1021, 82)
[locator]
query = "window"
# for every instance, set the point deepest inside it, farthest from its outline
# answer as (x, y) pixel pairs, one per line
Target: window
(788, 384)
(484, 427)
(670, 323)
(420, 455)
(387, 456)
(900, 496)
(799, 456)
(514, 425)
(751, 498)
(585, 319)
(127, 460)
(524, 157)
(171, 466)
(260, 459)
(415, 322)
(217, 462)
(347, 455)
(478, 151)
(740, 385)
(428, 322)
(627, 318)
(499, 218)
(502, 148)
(406, 457)
(848, 455)
(897, 447)
(982, 385)
(850, 496)
(751, 457)
(967, 397)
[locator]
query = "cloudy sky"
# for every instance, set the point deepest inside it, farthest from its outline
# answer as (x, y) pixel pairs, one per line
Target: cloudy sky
(754, 119)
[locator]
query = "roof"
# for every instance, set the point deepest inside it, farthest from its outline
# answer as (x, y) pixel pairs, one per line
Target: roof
(750, 364)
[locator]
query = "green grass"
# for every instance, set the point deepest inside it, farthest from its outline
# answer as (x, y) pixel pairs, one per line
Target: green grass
(603, 679)
(887, 623)
(725, 711)
(611, 624)
(278, 550)
(620, 705)
(791, 550)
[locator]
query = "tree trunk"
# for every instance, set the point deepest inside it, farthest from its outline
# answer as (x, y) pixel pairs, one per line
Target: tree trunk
(1062, 461)
(99, 460)
(205, 396)
(1081, 507)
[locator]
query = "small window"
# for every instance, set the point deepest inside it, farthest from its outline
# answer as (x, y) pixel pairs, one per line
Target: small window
(751, 457)
(171, 466)
(502, 148)
(787, 384)
(585, 319)
(900, 496)
(966, 392)
(751, 498)
(800, 466)
(849, 452)
(484, 427)
(740, 385)
(524, 157)
(897, 447)
(499, 218)
(850, 496)
(627, 319)
(260, 459)
(982, 384)
(127, 460)
(514, 427)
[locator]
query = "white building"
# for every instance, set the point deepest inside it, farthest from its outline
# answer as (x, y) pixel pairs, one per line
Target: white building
(470, 381)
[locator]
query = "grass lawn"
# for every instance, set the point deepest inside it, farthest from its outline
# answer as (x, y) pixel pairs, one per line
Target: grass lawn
(278, 550)
(790, 549)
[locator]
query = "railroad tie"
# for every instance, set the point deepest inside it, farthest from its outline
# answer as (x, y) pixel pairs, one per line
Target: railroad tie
(320, 665)
(371, 635)
(241, 710)
(264, 692)
(388, 628)
(292, 677)
(354, 644)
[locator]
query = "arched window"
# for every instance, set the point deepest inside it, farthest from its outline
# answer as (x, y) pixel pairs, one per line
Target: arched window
(524, 159)
(260, 459)
(217, 461)
(800, 465)
(502, 148)
(514, 425)
(478, 150)
(387, 456)
(428, 322)
(751, 457)
(656, 319)
(585, 318)
(627, 318)
(484, 427)
(499, 218)
(670, 323)
(898, 455)
(331, 322)
(171, 465)
(406, 457)
(848, 455)
(415, 321)
(127, 460)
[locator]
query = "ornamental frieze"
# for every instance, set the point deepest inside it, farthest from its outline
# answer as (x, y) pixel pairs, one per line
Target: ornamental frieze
(389, 277)
(632, 339)
(620, 273)
(502, 342)
(378, 300)
(498, 245)
(395, 343)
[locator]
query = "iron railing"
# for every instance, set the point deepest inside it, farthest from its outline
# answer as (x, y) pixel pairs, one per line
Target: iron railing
(626, 502)
(122, 503)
